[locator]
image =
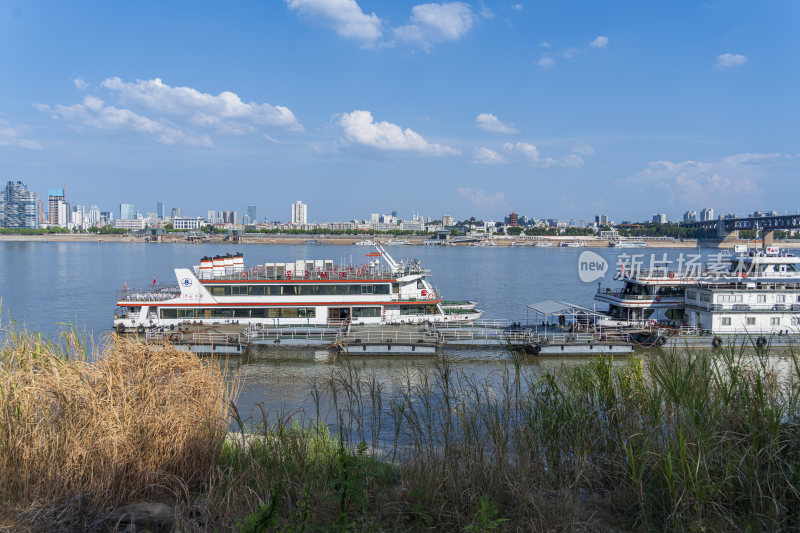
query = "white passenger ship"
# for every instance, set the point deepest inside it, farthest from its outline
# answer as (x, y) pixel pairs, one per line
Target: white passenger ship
(757, 294)
(314, 293)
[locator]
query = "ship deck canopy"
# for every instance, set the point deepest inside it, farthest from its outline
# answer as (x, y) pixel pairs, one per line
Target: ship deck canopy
(556, 308)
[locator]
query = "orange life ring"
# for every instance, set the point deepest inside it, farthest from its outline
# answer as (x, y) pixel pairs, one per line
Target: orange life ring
(744, 274)
(431, 297)
(360, 271)
(658, 298)
(671, 275)
(307, 275)
(243, 274)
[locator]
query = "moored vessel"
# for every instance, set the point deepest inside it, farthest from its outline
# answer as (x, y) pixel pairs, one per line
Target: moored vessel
(221, 290)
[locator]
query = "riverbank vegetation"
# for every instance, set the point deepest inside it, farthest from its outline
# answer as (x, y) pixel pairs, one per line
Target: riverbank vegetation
(673, 441)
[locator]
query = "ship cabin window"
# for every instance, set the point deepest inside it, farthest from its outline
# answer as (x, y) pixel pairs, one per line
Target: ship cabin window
(396, 289)
(366, 289)
(366, 312)
(134, 309)
(691, 295)
(730, 298)
(750, 321)
(774, 321)
(796, 320)
(726, 321)
(418, 310)
(241, 312)
(761, 298)
(705, 297)
(420, 284)
(780, 298)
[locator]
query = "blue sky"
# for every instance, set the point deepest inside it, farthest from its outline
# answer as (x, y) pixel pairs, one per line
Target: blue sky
(550, 109)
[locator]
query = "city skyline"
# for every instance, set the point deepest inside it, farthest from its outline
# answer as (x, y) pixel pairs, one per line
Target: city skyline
(456, 107)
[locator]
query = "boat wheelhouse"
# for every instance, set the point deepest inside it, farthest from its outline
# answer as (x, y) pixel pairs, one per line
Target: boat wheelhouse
(221, 290)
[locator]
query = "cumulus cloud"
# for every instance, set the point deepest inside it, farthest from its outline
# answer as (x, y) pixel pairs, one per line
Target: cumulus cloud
(94, 113)
(730, 60)
(225, 111)
(583, 149)
(517, 7)
(489, 122)
(346, 18)
(359, 127)
(599, 42)
(732, 180)
(80, 84)
(434, 23)
(533, 156)
(485, 156)
(480, 199)
(546, 61)
(16, 136)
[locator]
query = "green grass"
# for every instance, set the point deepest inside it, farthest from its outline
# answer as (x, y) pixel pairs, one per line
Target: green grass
(675, 441)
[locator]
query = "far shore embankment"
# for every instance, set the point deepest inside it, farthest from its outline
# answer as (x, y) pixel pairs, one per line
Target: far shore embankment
(348, 240)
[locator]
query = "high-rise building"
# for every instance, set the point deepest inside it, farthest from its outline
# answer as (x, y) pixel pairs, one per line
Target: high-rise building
(707, 214)
(229, 217)
(212, 216)
(176, 212)
(56, 210)
(447, 220)
(42, 219)
(690, 216)
(19, 207)
(299, 213)
(251, 214)
(127, 211)
(601, 220)
(161, 210)
(660, 218)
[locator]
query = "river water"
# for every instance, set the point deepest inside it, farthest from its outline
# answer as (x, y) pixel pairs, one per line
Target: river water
(47, 285)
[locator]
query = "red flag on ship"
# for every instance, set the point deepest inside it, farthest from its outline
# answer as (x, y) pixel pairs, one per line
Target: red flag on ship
(124, 287)
(154, 281)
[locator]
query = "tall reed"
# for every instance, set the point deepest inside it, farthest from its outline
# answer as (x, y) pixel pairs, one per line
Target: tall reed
(137, 422)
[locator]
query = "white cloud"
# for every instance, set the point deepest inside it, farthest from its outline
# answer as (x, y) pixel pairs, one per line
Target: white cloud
(599, 42)
(583, 149)
(434, 23)
(94, 113)
(730, 60)
(344, 16)
(80, 84)
(532, 154)
(545, 61)
(359, 127)
(544, 44)
(486, 156)
(480, 199)
(569, 53)
(225, 111)
(489, 122)
(733, 181)
(517, 7)
(15, 136)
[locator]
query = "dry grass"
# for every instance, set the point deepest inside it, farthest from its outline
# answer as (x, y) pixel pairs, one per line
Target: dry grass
(677, 441)
(137, 423)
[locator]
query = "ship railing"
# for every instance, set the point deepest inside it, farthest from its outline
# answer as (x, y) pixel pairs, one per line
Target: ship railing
(262, 273)
(480, 323)
(291, 333)
(745, 306)
(623, 296)
(149, 294)
(372, 337)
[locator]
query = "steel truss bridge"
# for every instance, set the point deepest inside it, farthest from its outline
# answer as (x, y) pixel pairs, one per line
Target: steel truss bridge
(766, 224)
